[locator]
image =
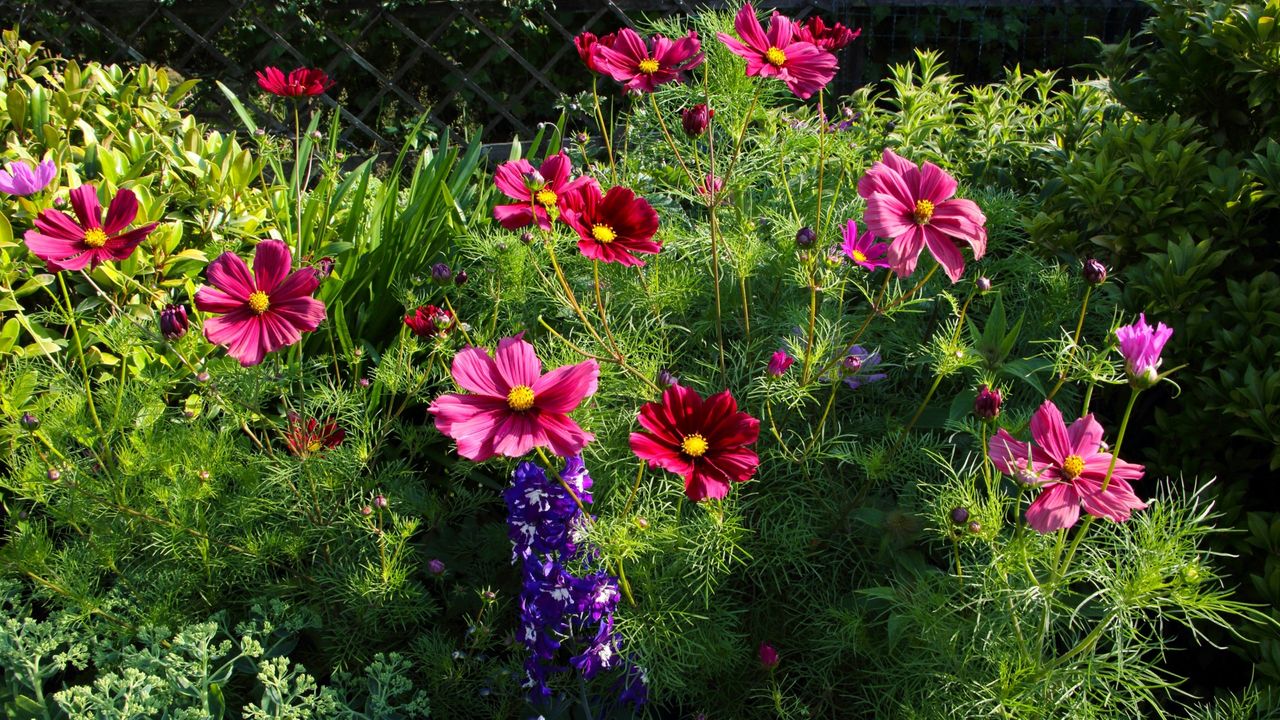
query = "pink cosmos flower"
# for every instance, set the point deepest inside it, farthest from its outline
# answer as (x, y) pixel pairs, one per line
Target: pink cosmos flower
(1069, 464)
(863, 249)
(22, 179)
(803, 66)
(300, 82)
(511, 407)
(1141, 345)
(262, 311)
(779, 363)
(541, 193)
(642, 68)
(712, 188)
(914, 206)
(88, 240)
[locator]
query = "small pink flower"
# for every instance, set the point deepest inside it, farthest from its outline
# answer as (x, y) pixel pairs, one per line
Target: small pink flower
(540, 194)
(1071, 466)
(768, 656)
(914, 206)
(262, 311)
(88, 240)
(779, 363)
(642, 67)
(803, 66)
(1141, 345)
(510, 406)
(712, 188)
(863, 249)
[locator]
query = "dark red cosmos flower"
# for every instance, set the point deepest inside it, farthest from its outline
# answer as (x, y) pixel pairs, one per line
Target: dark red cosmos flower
(586, 43)
(312, 436)
(612, 227)
(642, 67)
(704, 441)
(430, 321)
(300, 82)
(831, 39)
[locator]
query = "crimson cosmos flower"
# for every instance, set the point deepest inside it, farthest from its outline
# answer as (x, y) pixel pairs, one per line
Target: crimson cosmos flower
(88, 240)
(430, 321)
(915, 207)
(803, 66)
(312, 436)
(642, 67)
(262, 311)
(612, 227)
(696, 119)
(540, 193)
(300, 82)
(1071, 466)
(586, 43)
(779, 363)
(704, 441)
(511, 407)
(831, 39)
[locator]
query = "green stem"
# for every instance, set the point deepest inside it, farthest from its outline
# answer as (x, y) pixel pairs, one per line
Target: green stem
(84, 365)
(1075, 343)
(605, 134)
(813, 262)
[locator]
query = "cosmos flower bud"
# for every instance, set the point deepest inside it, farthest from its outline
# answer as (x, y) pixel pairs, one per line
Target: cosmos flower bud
(583, 138)
(768, 656)
(460, 278)
(984, 284)
(29, 422)
(364, 382)
(324, 268)
(53, 474)
(366, 511)
(436, 566)
(987, 405)
(696, 119)
(533, 180)
(526, 237)
(173, 322)
(666, 378)
(380, 501)
(959, 515)
(203, 474)
(202, 377)
(441, 273)
(975, 527)
(1094, 272)
(779, 363)
(805, 237)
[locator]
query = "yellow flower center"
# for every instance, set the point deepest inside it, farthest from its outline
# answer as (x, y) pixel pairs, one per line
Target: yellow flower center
(694, 445)
(1072, 466)
(775, 57)
(924, 211)
(546, 198)
(259, 302)
(603, 233)
(649, 66)
(95, 237)
(859, 256)
(313, 446)
(520, 398)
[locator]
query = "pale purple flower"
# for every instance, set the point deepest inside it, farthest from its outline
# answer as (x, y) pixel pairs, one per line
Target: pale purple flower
(1141, 345)
(22, 179)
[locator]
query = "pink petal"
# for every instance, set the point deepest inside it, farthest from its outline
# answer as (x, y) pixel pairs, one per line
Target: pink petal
(563, 389)
(1084, 436)
(748, 27)
(904, 251)
(476, 372)
(1116, 503)
(75, 262)
(945, 252)
(84, 200)
(1097, 464)
(276, 331)
(518, 433)
(563, 434)
(515, 216)
(122, 246)
(935, 184)
(781, 31)
(60, 225)
(740, 50)
(229, 273)
(46, 247)
(304, 313)
(1057, 508)
(1050, 432)
(509, 179)
(212, 300)
(272, 262)
(301, 283)
(658, 454)
(471, 421)
(556, 170)
(517, 362)
(1007, 453)
(122, 211)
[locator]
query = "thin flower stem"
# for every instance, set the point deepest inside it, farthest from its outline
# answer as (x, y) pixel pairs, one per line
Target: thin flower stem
(605, 133)
(671, 142)
(457, 318)
(712, 200)
(604, 320)
(1115, 455)
(937, 380)
(813, 262)
(1075, 343)
(955, 544)
(635, 491)
(84, 365)
(817, 432)
(1088, 398)
(742, 133)
(773, 427)
(746, 309)
(297, 177)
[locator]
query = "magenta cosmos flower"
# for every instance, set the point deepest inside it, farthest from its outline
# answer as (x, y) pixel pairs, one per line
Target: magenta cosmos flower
(88, 240)
(914, 206)
(831, 39)
(300, 82)
(541, 193)
(1068, 462)
(23, 179)
(585, 43)
(642, 67)
(863, 249)
(262, 311)
(511, 407)
(616, 226)
(804, 67)
(1141, 345)
(779, 363)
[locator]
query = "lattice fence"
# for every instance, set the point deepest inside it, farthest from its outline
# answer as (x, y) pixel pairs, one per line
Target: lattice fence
(480, 64)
